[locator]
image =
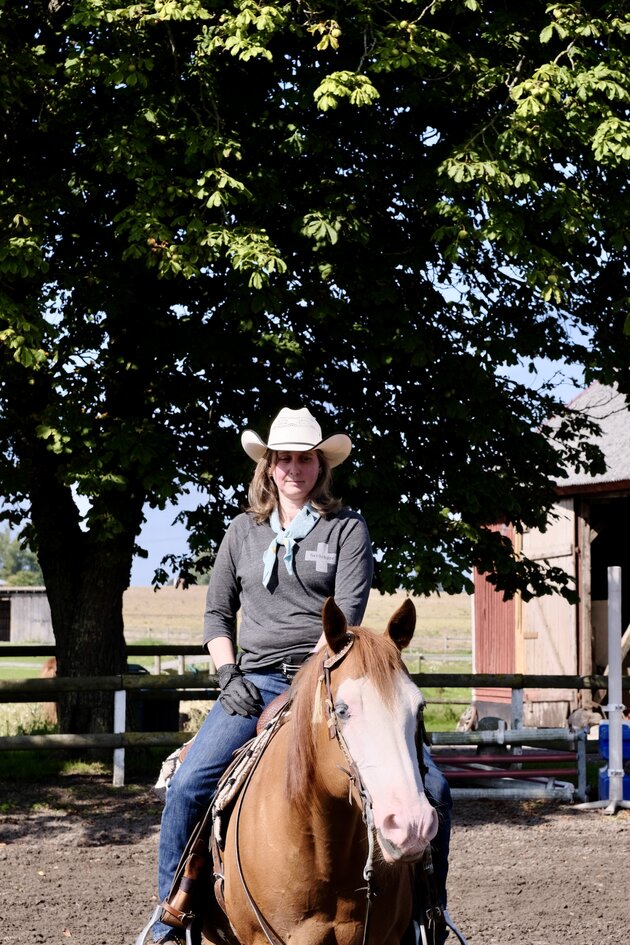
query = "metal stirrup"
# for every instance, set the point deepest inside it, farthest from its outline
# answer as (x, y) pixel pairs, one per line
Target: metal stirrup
(154, 918)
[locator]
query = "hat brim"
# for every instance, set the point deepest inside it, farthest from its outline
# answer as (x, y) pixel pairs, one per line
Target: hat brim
(336, 448)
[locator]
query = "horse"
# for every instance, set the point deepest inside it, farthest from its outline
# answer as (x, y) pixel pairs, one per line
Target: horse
(321, 844)
(49, 709)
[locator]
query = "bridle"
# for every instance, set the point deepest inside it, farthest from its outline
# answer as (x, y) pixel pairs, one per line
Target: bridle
(354, 775)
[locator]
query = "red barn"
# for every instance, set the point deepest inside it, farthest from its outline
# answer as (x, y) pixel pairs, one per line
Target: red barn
(587, 533)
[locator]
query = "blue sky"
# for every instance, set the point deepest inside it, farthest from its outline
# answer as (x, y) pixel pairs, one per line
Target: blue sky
(159, 536)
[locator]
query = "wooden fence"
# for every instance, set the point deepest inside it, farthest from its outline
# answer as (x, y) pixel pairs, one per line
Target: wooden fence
(203, 686)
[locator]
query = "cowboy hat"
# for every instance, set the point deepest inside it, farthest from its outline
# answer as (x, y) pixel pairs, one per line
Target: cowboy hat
(295, 431)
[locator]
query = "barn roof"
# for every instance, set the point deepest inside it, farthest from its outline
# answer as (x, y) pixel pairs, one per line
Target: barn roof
(609, 409)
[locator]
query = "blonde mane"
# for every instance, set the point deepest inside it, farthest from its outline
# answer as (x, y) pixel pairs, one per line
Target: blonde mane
(373, 655)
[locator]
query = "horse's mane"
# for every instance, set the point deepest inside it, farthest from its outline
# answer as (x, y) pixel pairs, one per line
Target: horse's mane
(372, 655)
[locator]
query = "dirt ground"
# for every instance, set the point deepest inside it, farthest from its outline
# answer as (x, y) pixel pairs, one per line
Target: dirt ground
(77, 867)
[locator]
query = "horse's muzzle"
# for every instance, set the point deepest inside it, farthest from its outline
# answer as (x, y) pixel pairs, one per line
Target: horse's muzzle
(392, 853)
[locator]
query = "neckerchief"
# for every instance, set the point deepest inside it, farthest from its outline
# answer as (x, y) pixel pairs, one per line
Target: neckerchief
(302, 524)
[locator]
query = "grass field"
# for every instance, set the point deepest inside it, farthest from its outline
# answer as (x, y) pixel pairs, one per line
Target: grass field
(173, 615)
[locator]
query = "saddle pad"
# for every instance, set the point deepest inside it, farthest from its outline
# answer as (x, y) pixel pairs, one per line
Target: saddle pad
(240, 769)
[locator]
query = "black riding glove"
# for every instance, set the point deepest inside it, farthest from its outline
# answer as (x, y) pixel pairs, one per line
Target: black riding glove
(239, 696)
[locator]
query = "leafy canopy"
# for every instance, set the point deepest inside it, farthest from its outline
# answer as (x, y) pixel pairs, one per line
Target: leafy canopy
(214, 209)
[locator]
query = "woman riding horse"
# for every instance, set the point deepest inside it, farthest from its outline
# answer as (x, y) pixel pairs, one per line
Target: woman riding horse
(294, 546)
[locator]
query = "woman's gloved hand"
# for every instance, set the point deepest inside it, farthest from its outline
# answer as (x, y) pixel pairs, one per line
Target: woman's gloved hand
(239, 696)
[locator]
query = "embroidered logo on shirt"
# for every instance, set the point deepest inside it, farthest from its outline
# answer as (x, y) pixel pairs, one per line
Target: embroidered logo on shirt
(322, 557)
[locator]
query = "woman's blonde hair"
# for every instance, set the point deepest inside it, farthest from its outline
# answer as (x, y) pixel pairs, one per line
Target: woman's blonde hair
(263, 497)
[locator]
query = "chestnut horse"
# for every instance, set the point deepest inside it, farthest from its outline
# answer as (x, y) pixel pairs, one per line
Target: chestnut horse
(320, 847)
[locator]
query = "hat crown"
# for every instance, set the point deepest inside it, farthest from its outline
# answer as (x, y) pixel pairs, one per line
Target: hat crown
(295, 426)
(297, 431)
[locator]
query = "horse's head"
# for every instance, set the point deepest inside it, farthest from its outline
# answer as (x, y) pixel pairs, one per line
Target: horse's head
(373, 709)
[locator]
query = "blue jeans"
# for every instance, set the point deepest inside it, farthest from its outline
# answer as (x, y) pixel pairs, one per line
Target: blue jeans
(439, 794)
(195, 781)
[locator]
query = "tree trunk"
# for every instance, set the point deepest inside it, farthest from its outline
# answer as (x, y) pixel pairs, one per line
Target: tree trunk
(86, 574)
(92, 643)
(86, 604)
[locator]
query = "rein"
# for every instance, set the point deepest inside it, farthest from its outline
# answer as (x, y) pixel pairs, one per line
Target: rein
(272, 726)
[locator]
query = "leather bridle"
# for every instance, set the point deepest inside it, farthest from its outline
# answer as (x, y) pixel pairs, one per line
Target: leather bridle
(354, 775)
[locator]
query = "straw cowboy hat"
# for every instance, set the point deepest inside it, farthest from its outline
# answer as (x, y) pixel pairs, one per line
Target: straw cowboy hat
(297, 430)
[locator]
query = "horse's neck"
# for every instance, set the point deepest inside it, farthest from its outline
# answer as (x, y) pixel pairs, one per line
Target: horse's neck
(329, 808)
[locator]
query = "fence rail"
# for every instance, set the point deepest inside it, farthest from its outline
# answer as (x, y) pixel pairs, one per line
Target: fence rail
(20, 690)
(203, 686)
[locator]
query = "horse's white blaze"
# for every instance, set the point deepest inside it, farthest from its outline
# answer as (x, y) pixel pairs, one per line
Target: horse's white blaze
(381, 740)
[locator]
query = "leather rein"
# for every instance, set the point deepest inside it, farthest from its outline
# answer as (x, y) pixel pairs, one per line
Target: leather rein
(354, 781)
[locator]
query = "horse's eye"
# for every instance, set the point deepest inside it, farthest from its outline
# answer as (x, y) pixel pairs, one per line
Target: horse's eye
(342, 711)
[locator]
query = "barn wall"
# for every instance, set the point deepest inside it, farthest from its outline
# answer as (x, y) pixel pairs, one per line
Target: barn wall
(534, 637)
(494, 641)
(549, 624)
(609, 519)
(30, 620)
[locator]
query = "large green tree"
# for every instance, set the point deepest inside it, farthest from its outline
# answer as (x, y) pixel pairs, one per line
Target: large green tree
(214, 209)
(18, 565)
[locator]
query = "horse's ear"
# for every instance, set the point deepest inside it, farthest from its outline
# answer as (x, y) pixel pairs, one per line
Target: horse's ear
(335, 625)
(402, 624)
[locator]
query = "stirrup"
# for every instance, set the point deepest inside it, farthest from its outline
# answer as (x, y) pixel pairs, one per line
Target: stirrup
(425, 939)
(155, 918)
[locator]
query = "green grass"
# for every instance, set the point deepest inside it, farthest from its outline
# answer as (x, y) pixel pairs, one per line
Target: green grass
(443, 717)
(23, 718)
(43, 765)
(29, 667)
(444, 706)
(21, 667)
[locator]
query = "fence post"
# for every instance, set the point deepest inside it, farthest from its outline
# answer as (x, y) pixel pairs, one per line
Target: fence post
(580, 748)
(517, 708)
(120, 713)
(517, 716)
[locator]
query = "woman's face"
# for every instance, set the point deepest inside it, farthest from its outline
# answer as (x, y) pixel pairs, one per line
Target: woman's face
(295, 474)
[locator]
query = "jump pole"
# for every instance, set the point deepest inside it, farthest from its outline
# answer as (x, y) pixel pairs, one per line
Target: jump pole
(615, 705)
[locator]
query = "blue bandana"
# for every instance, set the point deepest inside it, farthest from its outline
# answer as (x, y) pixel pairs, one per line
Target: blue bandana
(302, 524)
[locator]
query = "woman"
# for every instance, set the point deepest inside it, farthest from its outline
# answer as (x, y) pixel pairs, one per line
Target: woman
(295, 546)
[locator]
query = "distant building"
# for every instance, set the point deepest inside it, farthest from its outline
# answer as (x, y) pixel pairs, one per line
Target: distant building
(25, 615)
(587, 533)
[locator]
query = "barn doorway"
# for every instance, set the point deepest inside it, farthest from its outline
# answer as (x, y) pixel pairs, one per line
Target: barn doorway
(609, 522)
(5, 620)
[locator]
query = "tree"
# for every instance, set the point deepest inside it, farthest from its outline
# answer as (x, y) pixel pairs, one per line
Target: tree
(214, 209)
(18, 565)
